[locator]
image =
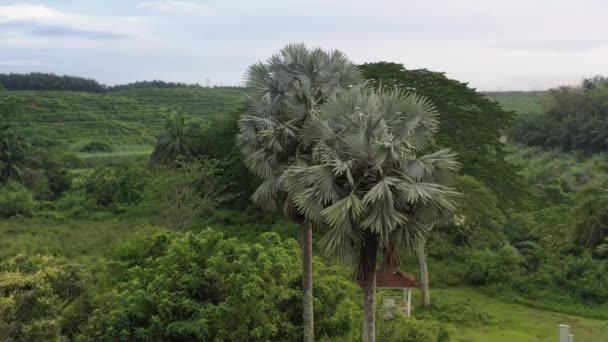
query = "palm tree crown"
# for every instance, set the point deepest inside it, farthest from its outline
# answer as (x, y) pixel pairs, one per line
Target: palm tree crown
(367, 175)
(286, 91)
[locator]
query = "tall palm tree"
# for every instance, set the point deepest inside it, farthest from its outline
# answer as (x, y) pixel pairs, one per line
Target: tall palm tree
(368, 181)
(286, 92)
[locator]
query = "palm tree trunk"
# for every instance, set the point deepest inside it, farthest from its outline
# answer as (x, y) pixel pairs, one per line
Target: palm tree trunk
(366, 273)
(425, 294)
(309, 328)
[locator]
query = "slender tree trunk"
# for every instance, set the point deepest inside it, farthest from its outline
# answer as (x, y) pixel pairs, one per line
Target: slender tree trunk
(425, 294)
(367, 275)
(309, 328)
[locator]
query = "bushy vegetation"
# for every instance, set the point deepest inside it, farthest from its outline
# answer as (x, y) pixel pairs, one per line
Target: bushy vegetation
(573, 118)
(469, 123)
(34, 293)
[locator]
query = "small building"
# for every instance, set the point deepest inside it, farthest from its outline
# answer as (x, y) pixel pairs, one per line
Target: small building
(397, 280)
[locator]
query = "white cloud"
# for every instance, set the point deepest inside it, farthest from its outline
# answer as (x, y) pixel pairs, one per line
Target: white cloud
(175, 7)
(28, 21)
(28, 12)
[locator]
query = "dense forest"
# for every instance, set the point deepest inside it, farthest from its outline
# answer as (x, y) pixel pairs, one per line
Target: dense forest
(161, 211)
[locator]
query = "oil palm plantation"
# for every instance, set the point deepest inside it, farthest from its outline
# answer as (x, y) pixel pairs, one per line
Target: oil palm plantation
(285, 92)
(370, 181)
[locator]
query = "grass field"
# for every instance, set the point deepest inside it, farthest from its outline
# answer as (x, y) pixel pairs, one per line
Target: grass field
(513, 322)
(518, 101)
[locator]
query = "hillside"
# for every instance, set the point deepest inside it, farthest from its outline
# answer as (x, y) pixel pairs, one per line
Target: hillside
(518, 101)
(128, 120)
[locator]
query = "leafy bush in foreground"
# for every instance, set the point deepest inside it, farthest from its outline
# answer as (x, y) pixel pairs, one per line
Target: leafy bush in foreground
(34, 290)
(206, 287)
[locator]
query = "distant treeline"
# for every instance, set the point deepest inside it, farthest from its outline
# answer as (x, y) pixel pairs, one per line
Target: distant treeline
(42, 81)
(47, 81)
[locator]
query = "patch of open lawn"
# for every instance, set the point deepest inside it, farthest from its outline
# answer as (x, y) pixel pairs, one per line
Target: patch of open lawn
(513, 322)
(77, 240)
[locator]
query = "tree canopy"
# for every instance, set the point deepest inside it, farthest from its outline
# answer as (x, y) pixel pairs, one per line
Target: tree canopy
(469, 123)
(574, 118)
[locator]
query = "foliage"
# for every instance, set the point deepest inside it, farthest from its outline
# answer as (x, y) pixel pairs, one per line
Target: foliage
(369, 174)
(34, 291)
(286, 93)
(42, 81)
(15, 200)
(485, 267)
(203, 286)
(592, 215)
(178, 139)
(16, 160)
(409, 329)
(572, 119)
(478, 217)
(115, 185)
(179, 195)
(469, 123)
(157, 84)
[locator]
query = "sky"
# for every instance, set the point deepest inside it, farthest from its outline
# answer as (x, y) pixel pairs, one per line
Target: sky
(491, 44)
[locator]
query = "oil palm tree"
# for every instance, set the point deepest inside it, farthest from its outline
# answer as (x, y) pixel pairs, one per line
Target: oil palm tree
(286, 92)
(369, 181)
(16, 160)
(176, 139)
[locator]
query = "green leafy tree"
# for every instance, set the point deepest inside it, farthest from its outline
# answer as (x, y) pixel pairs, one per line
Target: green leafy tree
(370, 181)
(205, 287)
(181, 194)
(285, 93)
(469, 123)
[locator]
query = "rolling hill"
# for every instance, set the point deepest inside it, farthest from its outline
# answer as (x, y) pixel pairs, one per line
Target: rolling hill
(129, 120)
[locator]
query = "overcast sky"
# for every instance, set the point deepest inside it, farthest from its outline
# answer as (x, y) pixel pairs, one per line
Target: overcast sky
(492, 44)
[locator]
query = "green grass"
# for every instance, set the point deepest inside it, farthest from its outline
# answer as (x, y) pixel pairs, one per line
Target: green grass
(513, 322)
(518, 101)
(75, 239)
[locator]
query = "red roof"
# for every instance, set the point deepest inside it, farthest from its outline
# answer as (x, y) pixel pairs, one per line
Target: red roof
(395, 280)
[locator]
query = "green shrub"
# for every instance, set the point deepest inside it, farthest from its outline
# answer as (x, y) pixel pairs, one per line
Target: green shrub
(485, 267)
(34, 291)
(15, 200)
(115, 185)
(409, 329)
(96, 146)
(205, 287)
